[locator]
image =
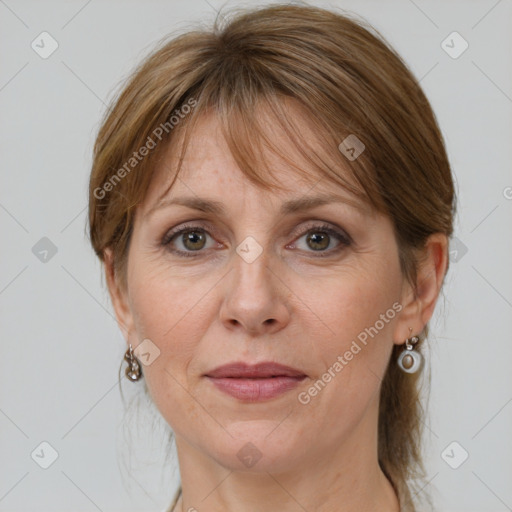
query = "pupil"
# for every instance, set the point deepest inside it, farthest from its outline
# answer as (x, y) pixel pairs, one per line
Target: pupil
(316, 239)
(193, 237)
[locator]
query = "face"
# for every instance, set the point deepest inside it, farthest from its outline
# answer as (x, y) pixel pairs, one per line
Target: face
(317, 290)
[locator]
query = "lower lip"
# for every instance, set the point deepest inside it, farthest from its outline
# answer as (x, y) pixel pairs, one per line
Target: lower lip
(256, 390)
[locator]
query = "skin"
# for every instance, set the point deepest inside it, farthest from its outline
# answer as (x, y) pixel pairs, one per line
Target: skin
(289, 306)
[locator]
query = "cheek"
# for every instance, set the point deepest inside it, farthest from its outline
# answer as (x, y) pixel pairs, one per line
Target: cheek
(173, 312)
(357, 313)
(165, 302)
(355, 305)
(173, 315)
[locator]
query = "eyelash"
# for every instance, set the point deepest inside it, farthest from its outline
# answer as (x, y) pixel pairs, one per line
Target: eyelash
(343, 238)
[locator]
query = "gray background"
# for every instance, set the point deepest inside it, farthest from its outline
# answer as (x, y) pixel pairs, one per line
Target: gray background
(60, 347)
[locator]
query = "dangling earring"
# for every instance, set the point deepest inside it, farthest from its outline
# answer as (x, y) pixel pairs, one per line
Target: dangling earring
(409, 360)
(133, 371)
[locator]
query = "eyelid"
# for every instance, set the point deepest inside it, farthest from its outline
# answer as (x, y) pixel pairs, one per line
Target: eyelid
(193, 224)
(320, 225)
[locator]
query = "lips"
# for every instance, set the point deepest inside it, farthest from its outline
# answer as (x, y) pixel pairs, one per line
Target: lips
(256, 371)
(254, 383)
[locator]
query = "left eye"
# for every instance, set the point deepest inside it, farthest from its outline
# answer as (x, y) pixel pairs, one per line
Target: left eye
(319, 239)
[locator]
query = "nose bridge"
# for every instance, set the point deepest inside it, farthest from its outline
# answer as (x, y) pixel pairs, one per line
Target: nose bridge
(253, 251)
(252, 277)
(253, 297)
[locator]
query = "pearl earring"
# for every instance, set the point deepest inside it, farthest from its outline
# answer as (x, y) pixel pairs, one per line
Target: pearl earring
(409, 360)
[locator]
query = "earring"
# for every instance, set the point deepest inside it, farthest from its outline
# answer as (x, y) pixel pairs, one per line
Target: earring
(133, 371)
(409, 360)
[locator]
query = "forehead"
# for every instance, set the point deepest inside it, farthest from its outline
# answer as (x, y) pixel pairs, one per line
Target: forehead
(209, 168)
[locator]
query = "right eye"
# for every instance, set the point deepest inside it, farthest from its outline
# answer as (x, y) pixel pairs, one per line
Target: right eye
(186, 240)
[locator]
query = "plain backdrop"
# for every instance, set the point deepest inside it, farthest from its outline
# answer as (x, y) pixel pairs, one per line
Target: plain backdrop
(60, 347)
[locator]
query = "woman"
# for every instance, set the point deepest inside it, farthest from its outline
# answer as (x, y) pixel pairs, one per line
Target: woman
(272, 201)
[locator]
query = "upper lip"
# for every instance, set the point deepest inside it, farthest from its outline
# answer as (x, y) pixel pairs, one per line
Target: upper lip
(260, 370)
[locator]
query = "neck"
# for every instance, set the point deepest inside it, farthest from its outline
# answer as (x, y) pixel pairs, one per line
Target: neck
(384, 500)
(347, 478)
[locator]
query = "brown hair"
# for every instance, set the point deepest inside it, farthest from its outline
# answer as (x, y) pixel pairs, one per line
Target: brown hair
(345, 79)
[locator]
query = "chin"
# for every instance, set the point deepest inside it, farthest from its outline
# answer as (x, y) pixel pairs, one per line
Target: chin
(258, 447)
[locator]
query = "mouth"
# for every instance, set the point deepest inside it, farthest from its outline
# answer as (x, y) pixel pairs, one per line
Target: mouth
(255, 383)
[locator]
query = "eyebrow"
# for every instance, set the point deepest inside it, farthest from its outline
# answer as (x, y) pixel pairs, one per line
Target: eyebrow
(207, 205)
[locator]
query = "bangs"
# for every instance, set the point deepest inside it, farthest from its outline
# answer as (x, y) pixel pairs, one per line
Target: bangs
(251, 123)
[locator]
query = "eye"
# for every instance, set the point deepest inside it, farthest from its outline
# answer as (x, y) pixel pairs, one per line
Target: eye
(186, 240)
(319, 238)
(191, 240)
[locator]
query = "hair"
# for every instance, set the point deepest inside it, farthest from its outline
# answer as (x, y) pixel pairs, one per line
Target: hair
(344, 79)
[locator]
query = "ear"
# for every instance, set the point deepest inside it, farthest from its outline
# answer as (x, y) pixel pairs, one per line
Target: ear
(118, 296)
(418, 305)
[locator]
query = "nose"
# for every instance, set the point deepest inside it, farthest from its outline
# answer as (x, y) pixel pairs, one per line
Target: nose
(255, 298)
